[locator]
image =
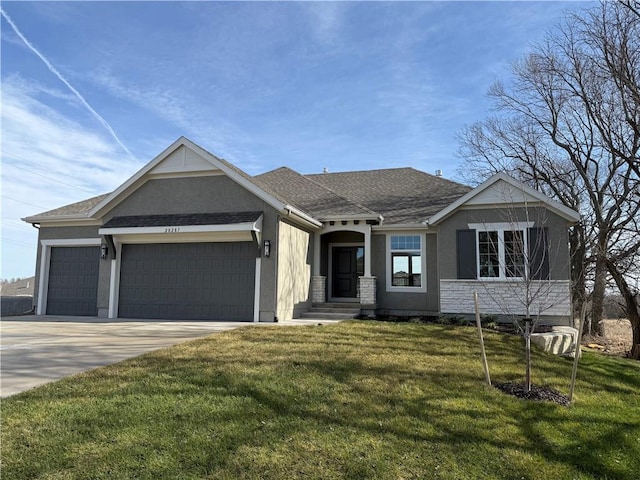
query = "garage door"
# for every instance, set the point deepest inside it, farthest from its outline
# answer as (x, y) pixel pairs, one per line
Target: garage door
(188, 281)
(73, 281)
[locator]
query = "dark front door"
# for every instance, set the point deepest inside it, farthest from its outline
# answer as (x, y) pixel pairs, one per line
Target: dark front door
(348, 265)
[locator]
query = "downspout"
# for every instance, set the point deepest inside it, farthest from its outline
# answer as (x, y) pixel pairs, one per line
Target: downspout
(112, 246)
(37, 277)
(277, 261)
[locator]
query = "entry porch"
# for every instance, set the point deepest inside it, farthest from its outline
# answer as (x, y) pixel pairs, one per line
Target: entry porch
(342, 265)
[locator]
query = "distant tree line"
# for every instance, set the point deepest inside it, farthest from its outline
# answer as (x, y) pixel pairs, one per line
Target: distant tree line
(7, 281)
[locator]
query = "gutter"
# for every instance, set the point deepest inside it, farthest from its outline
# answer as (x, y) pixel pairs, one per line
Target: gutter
(338, 218)
(290, 210)
(58, 219)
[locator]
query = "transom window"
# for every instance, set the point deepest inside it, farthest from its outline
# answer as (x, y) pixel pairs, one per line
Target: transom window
(406, 260)
(501, 253)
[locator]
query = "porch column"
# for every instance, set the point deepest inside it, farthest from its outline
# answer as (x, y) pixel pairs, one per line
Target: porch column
(318, 282)
(367, 282)
(367, 251)
(316, 254)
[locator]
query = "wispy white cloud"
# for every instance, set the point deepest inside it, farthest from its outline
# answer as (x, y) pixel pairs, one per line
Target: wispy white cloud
(187, 112)
(48, 160)
(55, 71)
(326, 20)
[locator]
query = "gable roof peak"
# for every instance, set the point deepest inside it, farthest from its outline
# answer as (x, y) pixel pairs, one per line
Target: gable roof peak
(505, 198)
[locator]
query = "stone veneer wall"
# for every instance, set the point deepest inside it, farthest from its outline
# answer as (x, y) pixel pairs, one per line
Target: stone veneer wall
(551, 297)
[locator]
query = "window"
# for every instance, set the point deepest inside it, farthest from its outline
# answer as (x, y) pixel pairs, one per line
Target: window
(406, 260)
(501, 254)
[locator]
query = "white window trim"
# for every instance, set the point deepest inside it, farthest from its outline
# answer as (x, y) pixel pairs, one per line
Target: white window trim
(502, 227)
(423, 258)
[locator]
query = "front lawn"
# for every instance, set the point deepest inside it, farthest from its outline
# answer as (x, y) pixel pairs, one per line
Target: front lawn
(352, 400)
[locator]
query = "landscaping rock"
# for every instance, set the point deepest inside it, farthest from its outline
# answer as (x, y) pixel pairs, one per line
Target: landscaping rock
(559, 341)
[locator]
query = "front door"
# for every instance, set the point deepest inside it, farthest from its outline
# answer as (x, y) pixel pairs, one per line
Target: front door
(348, 265)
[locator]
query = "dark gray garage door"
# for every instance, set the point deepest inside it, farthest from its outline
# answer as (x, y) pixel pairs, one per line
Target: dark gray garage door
(188, 281)
(73, 281)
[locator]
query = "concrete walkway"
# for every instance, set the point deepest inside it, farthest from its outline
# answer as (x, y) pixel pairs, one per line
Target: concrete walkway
(38, 349)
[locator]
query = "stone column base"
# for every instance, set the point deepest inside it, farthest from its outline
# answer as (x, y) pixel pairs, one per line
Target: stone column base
(319, 289)
(367, 290)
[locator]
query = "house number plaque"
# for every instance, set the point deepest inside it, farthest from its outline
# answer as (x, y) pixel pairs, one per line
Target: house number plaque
(172, 230)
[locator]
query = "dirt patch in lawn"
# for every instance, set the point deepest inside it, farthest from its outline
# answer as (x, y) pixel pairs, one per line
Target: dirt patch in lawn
(616, 338)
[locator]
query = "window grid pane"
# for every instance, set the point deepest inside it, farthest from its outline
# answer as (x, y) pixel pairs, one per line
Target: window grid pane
(406, 242)
(514, 253)
(488, 253)
(400, 270)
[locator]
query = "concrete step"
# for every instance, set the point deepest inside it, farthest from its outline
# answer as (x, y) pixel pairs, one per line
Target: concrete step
(328, 315)
(350, 311)
(338, 305)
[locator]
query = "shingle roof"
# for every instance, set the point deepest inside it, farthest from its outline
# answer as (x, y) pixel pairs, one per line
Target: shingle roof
(401, 195)
(77, 208)
(309, 196)
(220, 218)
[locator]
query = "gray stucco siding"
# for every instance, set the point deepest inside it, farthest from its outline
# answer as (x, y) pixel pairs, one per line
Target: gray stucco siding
(409, 302)
(188, 195)
(557, 229)
(209, 194)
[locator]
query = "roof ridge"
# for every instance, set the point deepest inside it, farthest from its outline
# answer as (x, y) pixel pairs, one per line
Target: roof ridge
(422, 172)
(360, 171)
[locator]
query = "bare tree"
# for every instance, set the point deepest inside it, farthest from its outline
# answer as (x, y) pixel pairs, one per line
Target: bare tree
(514, 269)
(568, 124)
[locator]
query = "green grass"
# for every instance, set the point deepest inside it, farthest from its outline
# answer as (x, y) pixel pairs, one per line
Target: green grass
(352, 400)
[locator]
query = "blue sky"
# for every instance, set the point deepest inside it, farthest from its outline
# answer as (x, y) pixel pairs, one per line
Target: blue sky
(91, 91)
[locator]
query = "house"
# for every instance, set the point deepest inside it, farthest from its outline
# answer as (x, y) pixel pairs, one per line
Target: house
(191, 236)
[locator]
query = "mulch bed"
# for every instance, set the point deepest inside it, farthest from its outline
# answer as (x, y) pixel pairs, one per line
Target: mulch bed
(538, 393)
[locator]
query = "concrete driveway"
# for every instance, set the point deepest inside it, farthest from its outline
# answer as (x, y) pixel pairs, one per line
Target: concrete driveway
(39, 349)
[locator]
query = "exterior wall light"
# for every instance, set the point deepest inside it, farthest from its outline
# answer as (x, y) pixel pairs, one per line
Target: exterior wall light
(267, 248)
(104, 251)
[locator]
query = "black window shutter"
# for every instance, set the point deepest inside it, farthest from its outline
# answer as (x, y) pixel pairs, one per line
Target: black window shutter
(466, 254)
(539, 253)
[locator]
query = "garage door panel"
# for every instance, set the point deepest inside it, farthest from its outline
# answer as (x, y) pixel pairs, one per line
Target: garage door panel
(73, 281)
(188, 281)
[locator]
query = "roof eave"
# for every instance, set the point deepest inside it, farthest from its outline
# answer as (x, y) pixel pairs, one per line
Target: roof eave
(400, 226)
(301, 216)
(337, 218)
(57, 218)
